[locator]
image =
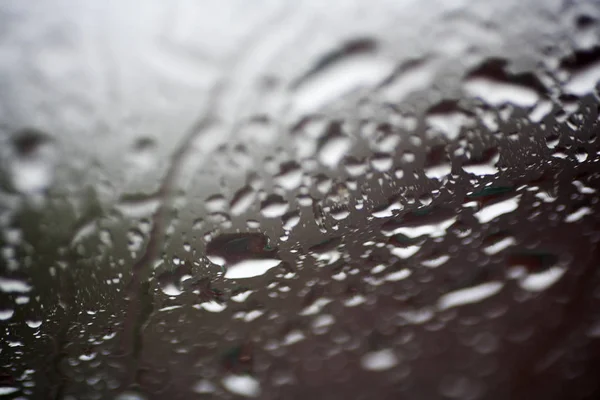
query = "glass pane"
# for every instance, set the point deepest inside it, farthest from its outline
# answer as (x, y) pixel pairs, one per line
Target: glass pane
(292, 200)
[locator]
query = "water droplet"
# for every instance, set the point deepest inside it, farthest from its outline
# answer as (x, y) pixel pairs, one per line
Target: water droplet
(6, 390)
(250, 268)
(257, 129)
(420, 224)
(405, 252)
(412, 76)
(355, 300)
(436, 261)
(138, 206)
(243, 385)
(289, 176)
(87, 357)
(244, 255)
(143, 152)
(578, 214)
(355, 167)
(388, 210)
(458, 387)
(333, 148)
(540, 111)
(379, 360)
(171, 289)
(242, 200)
(274, 206)
(493, 85)
(484, 165)
(585, 36)
(292, 337)
(129, 395)
(583, 189)
(352, 66)
(213, 306)
(489, 212)
(485, 343)
(469, 295)
(203, 387)
(8, 285)
(382, 162)
(398, 275)
(448, 119)
(437, 163)
(32, 161)
(5, 315)
(581, 155)
(584, 71)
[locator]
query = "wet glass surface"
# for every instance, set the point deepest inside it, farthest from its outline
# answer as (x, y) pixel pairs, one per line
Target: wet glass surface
(286, 200)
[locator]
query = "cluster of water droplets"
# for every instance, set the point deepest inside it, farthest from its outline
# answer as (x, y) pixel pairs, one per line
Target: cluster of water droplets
(389, 227)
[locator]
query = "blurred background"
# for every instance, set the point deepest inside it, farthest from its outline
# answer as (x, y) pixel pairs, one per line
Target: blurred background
(285, 200)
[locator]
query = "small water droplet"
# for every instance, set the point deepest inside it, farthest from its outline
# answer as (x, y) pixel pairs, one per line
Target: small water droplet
(143, 152)
(6, 390)
(204, 386)
(410, 77)
(485, 343)
(448, 119)
(458, 387)
(129, 395)
(469, 295)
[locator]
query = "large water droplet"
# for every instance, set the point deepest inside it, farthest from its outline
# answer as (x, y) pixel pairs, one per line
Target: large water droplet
(334, 146)
(379, 360)
(584, 70)
(8, 285)
(242, 200)
(243, 385)
(274, 206)
(484, 165)
(32, 161)
(469, 295)
(244, 255)
(492, 84)
(448, 119)
(352, 66)
(410, 77)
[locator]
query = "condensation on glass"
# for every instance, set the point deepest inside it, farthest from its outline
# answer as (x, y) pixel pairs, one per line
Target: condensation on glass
(292, 200)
